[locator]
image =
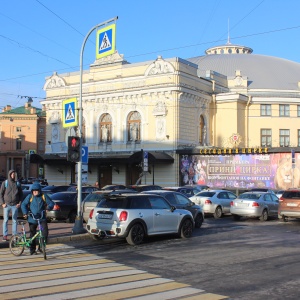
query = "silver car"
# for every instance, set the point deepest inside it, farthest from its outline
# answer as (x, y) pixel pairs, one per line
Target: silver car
(215, 202)
(136, 216)
(255, 204)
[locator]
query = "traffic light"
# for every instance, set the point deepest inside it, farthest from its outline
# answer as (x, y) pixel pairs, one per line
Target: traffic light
(73, 148)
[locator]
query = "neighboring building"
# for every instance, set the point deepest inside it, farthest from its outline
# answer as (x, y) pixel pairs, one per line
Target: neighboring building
(229, 118)
(23, 131)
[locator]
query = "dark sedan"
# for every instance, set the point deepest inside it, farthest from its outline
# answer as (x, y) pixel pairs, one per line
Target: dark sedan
(65, 207)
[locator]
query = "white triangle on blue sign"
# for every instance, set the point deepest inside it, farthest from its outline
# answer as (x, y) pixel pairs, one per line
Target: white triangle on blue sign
(70, 114)
(105, 43)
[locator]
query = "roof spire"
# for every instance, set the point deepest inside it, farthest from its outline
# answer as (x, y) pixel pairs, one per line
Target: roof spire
(228, 38)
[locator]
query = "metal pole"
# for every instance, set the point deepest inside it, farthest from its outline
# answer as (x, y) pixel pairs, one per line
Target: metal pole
(78, 226)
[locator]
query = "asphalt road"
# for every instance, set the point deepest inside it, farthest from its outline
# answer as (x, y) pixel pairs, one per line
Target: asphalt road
(248, 259)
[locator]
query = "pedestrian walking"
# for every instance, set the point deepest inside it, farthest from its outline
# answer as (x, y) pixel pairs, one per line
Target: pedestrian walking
(11, 196)
(37, 204)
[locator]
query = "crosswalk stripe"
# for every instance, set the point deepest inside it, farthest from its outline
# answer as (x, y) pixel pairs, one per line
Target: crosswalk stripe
(137, 292)
(106, 289)
(58, 270)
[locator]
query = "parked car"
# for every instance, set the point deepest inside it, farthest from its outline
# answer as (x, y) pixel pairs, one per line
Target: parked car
(113, 187)
(262, 190)
(289, 205)
(144, 187)
(255, 204)
(279, 193)
(51, 189)
(200, 187)
(215, 202)
(136, 216)
(183, 202)
(20, 214)
(65, 207)
(84, 188)
(94, 198)
(29, 185)
(188, 190)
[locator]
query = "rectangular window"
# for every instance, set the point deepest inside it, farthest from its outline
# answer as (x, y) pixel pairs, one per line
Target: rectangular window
(284, 137)
(298, 137)
(18, 144)
(41, 146)
(265, 109)
(266, 137)
(298, 110)
(41, 130)
(284, 110)
(18, 129)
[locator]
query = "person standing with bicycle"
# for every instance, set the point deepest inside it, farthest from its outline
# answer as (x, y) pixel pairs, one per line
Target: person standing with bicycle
(11, 196)
(38, 204)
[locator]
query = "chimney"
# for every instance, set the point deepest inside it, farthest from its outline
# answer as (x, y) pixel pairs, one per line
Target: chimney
(29, 102)
(33, 110)
(7, 108)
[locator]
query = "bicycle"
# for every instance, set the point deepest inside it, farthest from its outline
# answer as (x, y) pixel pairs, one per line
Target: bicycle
(18, 242)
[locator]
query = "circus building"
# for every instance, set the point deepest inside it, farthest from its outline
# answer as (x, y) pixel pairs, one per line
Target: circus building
(229, 118)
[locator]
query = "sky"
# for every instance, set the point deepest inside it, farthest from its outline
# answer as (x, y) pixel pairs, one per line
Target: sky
(40, 37)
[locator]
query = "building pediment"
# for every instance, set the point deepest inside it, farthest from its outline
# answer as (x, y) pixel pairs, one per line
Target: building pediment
(54, 81)
(159, 66)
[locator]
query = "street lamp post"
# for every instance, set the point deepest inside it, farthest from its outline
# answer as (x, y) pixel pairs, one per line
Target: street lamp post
(78, 226)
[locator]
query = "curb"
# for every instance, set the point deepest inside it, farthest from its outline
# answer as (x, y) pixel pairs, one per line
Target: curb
(69, 238)
(59, 239)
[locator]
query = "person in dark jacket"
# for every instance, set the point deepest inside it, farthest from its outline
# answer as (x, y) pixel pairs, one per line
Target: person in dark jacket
(38, 204)
(11, 196)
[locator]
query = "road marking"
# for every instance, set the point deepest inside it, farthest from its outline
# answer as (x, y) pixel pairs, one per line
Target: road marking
(69, 271)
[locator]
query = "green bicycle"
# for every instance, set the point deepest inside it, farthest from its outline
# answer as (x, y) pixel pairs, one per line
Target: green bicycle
(18, 242)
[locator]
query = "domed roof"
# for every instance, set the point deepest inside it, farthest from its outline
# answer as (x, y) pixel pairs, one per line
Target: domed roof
(263, 72)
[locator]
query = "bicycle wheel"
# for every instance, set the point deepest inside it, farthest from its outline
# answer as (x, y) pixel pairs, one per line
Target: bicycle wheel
(16, 244)
(43, 247)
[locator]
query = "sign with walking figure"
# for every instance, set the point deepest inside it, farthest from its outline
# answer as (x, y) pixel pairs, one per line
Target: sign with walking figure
(106, 41)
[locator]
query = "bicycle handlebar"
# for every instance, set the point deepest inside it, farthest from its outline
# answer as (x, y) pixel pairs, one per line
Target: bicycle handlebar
(37, 219)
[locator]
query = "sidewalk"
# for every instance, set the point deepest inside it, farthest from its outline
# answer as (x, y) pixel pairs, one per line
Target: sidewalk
(59, 232)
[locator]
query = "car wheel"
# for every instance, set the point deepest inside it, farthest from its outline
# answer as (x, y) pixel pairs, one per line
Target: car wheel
(186, 229)
(236, 217)
(198, 220)
(72, 217)
(136, 235)
(264, 216)
(218, 213)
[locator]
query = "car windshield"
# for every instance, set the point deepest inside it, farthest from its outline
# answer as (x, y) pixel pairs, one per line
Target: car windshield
(249, 196)
(205, 194)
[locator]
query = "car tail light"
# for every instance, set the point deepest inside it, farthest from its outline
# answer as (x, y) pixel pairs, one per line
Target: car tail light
(231, 203)
(91, 214)
(255, 204)
(281, 199)
(123, 216)
(56, 207)
(207, 201)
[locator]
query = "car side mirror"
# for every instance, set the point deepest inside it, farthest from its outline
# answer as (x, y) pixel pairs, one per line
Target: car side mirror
(192, 203)
(173, 208)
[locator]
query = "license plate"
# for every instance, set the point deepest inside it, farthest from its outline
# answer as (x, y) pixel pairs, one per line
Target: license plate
(242, 204)
(292, 204)
(104, 216)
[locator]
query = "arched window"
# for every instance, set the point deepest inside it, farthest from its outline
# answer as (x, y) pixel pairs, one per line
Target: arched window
(105, 126)
(202, 131)
(134, 126)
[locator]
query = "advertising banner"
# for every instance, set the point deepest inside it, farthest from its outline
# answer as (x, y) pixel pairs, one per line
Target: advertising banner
(275, 171)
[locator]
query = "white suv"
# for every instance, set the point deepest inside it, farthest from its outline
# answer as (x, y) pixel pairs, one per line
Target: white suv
(135, 216)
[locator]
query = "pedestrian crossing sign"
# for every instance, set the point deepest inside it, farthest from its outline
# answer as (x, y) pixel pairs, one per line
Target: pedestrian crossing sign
(70, 117)
(106, 41)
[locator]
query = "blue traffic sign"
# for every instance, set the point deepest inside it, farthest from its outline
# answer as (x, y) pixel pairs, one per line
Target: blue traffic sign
(85, 154)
